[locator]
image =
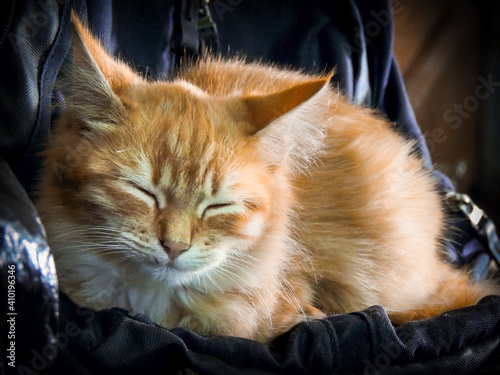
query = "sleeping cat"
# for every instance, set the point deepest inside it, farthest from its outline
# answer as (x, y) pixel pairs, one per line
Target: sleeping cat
(238, 199)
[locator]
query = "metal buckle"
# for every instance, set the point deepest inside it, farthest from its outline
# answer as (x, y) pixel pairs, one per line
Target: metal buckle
(463, 203)
(484, 227)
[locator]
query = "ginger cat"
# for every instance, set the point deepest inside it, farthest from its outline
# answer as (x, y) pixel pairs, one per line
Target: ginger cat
(238, 199)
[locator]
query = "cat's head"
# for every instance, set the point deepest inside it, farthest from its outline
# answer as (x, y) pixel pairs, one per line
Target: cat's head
(167, 176)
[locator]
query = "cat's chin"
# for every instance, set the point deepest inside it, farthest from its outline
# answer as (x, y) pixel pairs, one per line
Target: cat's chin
(198, 278)
(183, 274)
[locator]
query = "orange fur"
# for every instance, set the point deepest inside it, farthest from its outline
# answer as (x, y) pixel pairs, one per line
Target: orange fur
(294, 203)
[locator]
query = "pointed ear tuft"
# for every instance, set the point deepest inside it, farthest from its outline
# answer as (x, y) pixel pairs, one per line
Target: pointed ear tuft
(292, 123)
(117, 74)
(94, 81)
(265, 109)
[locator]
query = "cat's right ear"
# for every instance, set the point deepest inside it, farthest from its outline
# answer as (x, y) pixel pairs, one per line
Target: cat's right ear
(94, 81)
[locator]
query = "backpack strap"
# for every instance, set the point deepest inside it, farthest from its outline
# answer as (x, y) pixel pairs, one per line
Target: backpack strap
(207, 29)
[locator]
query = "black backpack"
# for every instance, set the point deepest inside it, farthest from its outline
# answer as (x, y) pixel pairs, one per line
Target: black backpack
(44, 332)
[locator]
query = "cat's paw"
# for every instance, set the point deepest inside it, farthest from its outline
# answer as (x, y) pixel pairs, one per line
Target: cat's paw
(312, 312)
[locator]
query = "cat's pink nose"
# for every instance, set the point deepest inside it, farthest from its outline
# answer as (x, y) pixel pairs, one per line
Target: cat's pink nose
(174, 248)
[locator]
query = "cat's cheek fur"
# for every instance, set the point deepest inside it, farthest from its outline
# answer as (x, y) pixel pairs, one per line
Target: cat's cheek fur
(254, 226)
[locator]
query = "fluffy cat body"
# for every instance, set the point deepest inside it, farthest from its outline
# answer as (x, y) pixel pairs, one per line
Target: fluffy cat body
(238, 199)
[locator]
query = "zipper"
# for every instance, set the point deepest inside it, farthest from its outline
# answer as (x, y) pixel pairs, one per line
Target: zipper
(9, 21)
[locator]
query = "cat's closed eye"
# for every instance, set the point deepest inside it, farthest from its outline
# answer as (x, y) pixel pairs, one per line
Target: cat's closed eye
(216, 208)
(146, 192)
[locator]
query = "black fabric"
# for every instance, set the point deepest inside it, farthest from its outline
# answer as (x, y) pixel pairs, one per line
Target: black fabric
(56, 337)
(28, 283)
(37, 41)
(140, 32)
(459, 342)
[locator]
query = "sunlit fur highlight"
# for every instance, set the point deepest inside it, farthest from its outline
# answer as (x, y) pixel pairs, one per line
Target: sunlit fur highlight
(295, 203)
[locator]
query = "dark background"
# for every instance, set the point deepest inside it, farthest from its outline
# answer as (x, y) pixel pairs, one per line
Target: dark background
(446, 49)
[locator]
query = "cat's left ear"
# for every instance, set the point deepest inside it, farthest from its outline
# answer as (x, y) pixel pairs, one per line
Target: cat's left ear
(291, 124)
